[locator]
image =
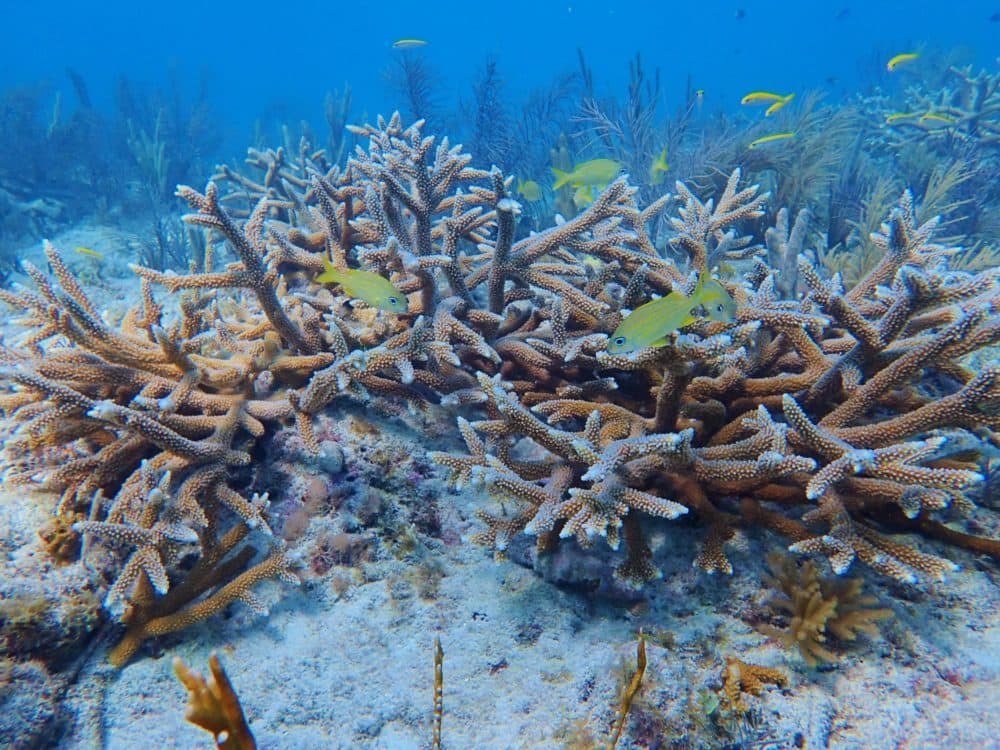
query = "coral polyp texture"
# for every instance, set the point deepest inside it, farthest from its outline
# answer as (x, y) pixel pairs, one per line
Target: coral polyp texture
(829, 418)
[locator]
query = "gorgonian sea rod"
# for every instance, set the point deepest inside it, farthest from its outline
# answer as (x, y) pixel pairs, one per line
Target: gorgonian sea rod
(828, 419)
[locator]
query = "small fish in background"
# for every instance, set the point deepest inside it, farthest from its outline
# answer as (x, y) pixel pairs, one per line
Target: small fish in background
(375, 290)
(995, 17)
(652, 324)
(778, 105)
(897, 116)
(937, 117)
(530, 190)
(740, 14)
(842, 15)
(770, 139)
(900, 59)
(658, 169)
(699, 99)
(583, 196)
(88, 252)
(763, 97)
(596, 172)
(409, 43)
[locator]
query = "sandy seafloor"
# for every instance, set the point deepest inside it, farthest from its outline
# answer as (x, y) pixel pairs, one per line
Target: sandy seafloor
(528, 664)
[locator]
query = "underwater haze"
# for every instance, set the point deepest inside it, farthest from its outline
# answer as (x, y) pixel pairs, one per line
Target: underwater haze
(260, 57)
(555, 375)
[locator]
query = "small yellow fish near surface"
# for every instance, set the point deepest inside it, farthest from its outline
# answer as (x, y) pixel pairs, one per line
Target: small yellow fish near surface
(375, 290)
(765, 97)
(91, 253)
(897, 116)
(409, 43)
(778, 105)
(898, 60)
(593, 172)
(530, 190)
(770, 139)
(659, 167)
(652, 323)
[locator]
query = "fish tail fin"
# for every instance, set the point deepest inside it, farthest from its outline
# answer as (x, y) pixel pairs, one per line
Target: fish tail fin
(561, 178)
(788, 98)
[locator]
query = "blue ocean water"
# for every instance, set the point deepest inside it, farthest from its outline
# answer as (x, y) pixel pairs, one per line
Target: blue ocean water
(259, 59)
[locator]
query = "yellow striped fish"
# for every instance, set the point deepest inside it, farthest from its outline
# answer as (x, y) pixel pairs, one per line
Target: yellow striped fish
(652, 324)
(898, 60)
(769, 139)
(375, 290)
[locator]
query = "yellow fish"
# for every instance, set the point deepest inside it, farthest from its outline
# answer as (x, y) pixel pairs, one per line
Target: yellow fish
(778, 105)
(583, 196)
(764, 97)
(409, 43)
(659, 167)
(897, 116)
(699, 99)
(652, 323)
(530, 190)
(935, 117)
(769, 139)
(899, 59)
(91, 253)
(717, 302)
(376, 290)
(593, 172)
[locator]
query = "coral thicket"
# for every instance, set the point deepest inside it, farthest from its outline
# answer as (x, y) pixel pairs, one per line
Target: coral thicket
(826, 418)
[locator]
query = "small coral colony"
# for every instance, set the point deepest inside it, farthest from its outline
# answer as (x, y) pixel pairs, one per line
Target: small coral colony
(686, 358)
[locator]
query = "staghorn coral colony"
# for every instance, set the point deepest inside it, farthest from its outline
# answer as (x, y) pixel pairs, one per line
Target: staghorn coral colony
(838, 419)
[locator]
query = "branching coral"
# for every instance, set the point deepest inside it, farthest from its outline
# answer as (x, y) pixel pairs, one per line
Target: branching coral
(741, 678)
(817, 608)
(214, 706)
(694, 425)
(810, 417)
(137, 429)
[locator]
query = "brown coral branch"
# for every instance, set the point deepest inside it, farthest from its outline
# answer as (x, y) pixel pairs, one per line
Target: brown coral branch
(214, 706)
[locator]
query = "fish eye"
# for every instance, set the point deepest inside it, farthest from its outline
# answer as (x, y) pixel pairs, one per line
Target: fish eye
(721, 307)
(619, 341)
(393, 300)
